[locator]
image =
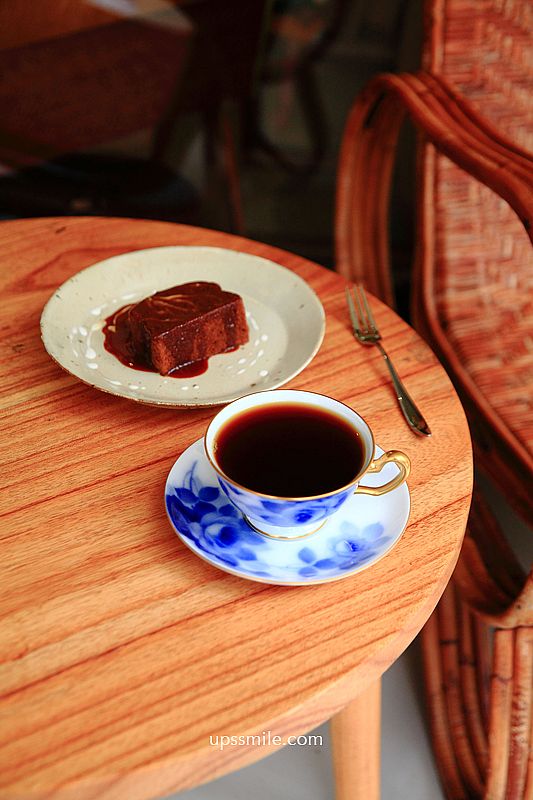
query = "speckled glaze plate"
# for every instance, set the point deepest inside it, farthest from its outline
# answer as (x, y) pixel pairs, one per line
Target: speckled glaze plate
(285, 318)
(363, 530)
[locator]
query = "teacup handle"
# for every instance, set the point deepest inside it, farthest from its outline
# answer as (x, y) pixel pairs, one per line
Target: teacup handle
(392, 456)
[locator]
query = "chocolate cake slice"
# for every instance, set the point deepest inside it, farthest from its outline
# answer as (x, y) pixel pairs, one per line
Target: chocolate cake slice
(187, 323)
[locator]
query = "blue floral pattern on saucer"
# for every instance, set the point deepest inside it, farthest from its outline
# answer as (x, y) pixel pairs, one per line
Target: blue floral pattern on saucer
(355, 537)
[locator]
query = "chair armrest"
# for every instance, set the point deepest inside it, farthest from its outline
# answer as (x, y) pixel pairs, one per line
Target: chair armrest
(446, 120)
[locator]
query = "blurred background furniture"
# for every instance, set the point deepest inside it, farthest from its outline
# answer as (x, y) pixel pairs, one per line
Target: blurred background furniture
(77, 77)
(290, 205)
(472, 299)
(84, 75)
(299, 34)
(220, 79)
(198, 164)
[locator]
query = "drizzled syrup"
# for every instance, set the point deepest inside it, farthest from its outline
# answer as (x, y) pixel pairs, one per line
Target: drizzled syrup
(118, 342)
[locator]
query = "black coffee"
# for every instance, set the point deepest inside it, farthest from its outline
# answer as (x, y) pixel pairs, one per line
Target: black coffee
(289, 450)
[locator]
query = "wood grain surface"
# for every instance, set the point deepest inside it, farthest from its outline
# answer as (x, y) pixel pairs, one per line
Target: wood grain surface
(121, 653)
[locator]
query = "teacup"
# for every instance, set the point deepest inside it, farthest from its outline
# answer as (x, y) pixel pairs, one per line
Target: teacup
(289, 459)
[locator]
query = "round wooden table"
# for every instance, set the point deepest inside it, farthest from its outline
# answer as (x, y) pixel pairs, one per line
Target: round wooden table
(121, 652)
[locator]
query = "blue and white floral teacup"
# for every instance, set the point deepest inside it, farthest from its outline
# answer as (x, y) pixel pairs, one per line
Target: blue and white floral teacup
(291, 518)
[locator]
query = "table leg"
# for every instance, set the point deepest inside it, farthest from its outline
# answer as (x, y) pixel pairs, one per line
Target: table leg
(355, 736)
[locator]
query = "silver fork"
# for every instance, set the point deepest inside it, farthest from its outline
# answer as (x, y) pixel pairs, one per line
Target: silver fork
(366, 331)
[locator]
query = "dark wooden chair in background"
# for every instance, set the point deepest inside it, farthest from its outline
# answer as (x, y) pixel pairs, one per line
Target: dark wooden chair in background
(219, 81)
(472, 299)
(75, 77)
(299, 34)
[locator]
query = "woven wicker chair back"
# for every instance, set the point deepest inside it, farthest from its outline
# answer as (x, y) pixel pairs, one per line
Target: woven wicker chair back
(483, 260)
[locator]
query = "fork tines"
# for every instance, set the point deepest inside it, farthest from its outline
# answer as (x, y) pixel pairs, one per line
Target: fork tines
(360, 311)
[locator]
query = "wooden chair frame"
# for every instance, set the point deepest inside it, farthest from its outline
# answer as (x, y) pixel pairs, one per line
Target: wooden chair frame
(478, 645)
(367, 157)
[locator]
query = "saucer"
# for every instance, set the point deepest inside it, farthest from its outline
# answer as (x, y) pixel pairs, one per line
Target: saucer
(361, 532)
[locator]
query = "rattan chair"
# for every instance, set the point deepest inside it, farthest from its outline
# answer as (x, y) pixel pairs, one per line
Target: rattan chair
(472, 299)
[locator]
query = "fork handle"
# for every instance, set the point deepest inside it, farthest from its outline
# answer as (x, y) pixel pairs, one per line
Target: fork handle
(407, 404)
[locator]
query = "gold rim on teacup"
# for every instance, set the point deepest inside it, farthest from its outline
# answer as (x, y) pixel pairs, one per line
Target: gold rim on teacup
(375, 464)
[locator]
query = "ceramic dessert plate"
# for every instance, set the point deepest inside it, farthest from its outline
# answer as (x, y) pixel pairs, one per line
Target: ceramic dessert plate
(285, 319)
(359, 534)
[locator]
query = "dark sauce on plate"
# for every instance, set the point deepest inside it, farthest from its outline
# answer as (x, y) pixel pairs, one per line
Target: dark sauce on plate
(117, 341)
